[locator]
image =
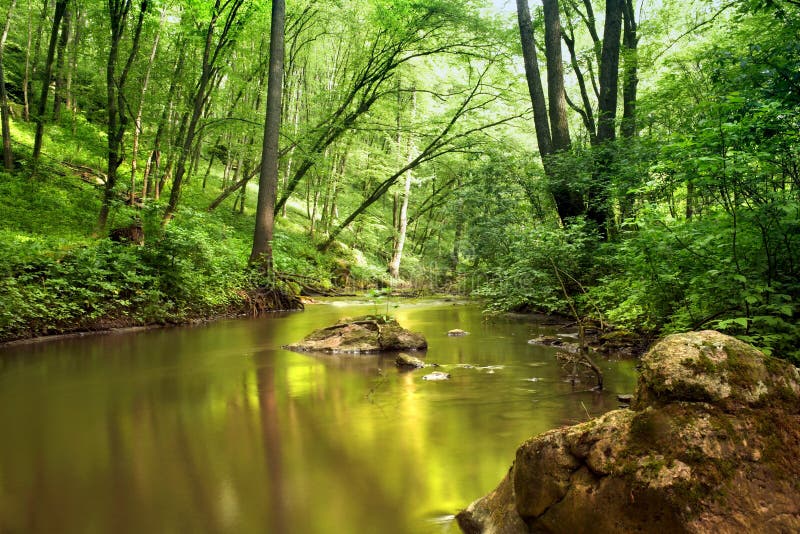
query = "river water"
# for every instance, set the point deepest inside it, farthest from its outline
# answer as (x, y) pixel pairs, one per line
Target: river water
(216, 428)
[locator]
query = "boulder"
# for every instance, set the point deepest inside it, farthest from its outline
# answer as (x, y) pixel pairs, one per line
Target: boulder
(710, 445)
(362, 335)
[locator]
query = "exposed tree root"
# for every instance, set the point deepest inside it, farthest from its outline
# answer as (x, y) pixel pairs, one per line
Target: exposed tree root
(279, 297)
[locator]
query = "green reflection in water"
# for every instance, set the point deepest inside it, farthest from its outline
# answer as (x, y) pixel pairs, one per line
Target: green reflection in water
(218, 429)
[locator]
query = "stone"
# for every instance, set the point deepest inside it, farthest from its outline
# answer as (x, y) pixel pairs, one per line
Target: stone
(437, 375)
(457, 333)
(627, 398)
(365, 334)
(710, 445)
(406, 361)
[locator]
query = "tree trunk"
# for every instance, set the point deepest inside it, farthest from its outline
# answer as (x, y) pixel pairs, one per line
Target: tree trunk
(61, 7)
(137, 123)
(555, 77)
(609, 71)
(586, 112)
(30, 67)
(540, 120)
(59, 97)
(599, 209)
(154, 160)
(8, 156)
(568, 201)
(402, 216)
(630, 83)
(268, 179)
(79, 21)
(115, 85)
(209, 70)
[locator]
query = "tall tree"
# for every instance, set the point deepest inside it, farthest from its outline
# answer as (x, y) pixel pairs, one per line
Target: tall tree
(540, 119)
(401, 226)
(61, 52)
(609, 71)
(8, 157)
(115, 97)
(630, 73)
(268, 179)
(217, 42)
(567, 199)
(47, 76)
(555, 76)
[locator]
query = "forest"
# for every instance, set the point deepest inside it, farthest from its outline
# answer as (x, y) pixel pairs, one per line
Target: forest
(632, 163)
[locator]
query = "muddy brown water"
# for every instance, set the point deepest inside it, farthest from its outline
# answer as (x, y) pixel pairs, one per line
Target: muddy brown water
(218, 429)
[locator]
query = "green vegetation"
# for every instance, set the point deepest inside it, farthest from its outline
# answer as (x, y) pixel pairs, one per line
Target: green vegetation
(664, 196)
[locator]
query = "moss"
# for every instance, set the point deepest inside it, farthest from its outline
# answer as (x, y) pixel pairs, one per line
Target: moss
(700, 365)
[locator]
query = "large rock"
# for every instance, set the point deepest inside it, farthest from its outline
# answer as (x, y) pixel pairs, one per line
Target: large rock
(362, 334)
(711, 445)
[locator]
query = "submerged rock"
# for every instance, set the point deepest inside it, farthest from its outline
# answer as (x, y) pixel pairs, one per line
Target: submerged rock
(408, 362)
(437, 375)
(362, 335)
(456, 332)
(711, 445)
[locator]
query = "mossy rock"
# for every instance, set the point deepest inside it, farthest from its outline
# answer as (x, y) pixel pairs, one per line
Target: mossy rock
(711, 367)
(366, 334)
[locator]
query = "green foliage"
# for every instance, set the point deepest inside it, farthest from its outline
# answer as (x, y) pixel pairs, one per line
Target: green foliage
(542, 264)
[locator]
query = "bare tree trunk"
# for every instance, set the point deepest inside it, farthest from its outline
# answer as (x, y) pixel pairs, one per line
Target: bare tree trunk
(268, 179)
(61, 7)
(534, 79)
(609, 71)
(154, 160)
(568, 201)
(8, 156)
(137, 123)
(73, 56)
(586, 112)
(599, 209)
(115, 85)
(630, 83)
(58, 97)
(402, 216)
(555, 77)
(209, 70)
(30, 67)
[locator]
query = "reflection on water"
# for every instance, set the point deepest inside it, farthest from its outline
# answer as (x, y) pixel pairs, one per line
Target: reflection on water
(218, 429)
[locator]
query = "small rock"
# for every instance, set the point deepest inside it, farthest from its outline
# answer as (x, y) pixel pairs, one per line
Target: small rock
(627, 399)
(437, 375)
(457, 333)
(545, 340)
(405, 361)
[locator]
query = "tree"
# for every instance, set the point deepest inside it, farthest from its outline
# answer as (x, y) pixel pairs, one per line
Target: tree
(553, 134)
(401, 226)
(116, 104)
(216, 43)
(268, 179)
(8, 157)
(61, 7)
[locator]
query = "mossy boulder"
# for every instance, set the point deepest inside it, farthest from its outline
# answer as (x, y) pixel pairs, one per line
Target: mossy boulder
(711, 445)
(366, 334)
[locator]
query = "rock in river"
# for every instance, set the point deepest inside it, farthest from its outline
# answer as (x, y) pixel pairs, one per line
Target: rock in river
(404, 361)
(457, 332)
(710, 445)
(437, 375)
(362, 334)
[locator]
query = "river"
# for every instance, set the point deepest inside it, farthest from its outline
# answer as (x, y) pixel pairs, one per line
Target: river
(216, 428)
